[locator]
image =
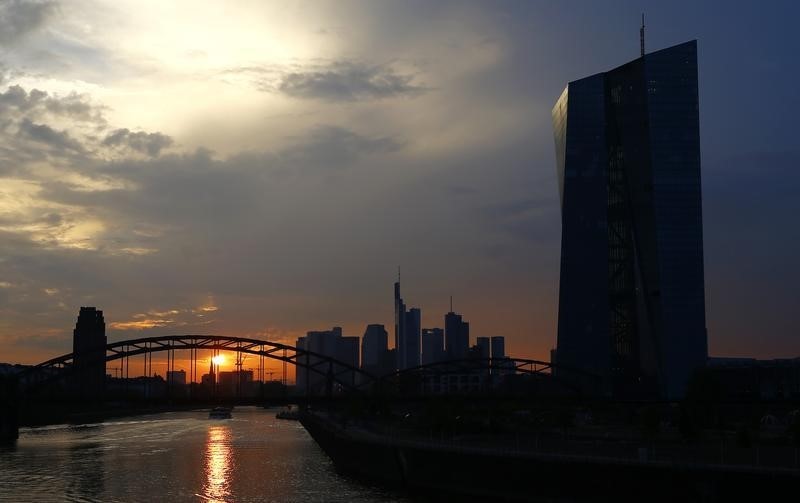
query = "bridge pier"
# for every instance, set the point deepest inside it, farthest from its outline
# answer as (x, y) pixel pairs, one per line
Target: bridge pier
(9, 410)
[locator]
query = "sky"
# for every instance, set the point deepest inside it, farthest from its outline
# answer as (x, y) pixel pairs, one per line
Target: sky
(261, 169)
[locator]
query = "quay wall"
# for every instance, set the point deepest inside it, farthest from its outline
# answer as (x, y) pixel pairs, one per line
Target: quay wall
(498, 475)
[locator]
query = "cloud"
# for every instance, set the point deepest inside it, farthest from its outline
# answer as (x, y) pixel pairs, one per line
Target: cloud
(20, 17)
(334, 146)
(336, 81)
(146, 143)
(348, 81)
(42, 133)
(16, 102)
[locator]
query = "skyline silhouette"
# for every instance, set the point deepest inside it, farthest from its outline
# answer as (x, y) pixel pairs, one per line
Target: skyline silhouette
(344, 145)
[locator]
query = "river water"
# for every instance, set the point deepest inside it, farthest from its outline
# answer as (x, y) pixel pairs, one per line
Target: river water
(179, 456)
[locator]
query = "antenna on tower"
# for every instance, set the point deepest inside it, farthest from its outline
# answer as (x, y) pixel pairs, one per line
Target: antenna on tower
(398, 274)
(451, 303)
(641, 35)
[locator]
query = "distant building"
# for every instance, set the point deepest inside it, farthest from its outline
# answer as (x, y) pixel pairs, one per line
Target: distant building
(329, 343)
(347, 352)
(456, 334)
(631, 309)
(498, 346)
(237, 383)
(376, 358)
(373, 345)
(176, 383)
(176, 377)
(483, 347)
(432, 345)
(407, 328)
(89, 348)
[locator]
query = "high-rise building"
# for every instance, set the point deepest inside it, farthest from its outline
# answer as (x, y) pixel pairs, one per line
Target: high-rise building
(326, 343)
(89, 348)
(432, 345)
(376, 358)
(347, 352)
(498, 346)
(456, 334)
(631, 302)
(373, 345)
(407, 327)
(483, 347)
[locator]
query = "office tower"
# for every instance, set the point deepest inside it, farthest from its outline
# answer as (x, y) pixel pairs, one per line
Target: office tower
(631, 302)
(498, 346)
(376, 358)
(482, 346)
(456, 334)
(407, 326)
(373, 345)
(333, 344)
(347, 352)
(89, 348)
(432, 345)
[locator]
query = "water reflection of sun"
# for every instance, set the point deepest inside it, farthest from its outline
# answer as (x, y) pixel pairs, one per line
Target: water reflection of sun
(218, 464)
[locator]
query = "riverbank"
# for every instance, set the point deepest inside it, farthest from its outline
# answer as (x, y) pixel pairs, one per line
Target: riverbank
(502, 473)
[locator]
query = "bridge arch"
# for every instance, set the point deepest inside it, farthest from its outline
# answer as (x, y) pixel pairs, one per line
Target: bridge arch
(579, 382)
(329, 367)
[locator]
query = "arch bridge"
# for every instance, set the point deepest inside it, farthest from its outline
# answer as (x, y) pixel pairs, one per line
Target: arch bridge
(332, 371)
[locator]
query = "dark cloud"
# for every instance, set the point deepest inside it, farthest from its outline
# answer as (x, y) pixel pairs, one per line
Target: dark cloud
(333, 146)
(337, 81)
(20, 17)
(145, 143)
(16, 102)
(42, 133)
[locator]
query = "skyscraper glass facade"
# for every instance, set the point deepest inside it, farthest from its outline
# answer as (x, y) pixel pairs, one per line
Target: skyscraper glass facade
(631, 301)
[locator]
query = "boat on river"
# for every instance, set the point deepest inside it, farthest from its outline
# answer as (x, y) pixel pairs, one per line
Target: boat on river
(220, 413)
(289, 413)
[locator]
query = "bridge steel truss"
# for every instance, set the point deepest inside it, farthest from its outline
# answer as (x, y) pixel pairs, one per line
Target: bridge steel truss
(335, 371)
(347, 377)
(492, 369)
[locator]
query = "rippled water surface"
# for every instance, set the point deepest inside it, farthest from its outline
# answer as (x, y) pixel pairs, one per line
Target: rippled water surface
(181, 456)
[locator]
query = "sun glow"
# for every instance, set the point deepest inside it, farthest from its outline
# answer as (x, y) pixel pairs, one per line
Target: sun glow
(218, 360)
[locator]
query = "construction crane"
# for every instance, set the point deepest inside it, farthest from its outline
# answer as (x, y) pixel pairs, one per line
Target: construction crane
(240, 359)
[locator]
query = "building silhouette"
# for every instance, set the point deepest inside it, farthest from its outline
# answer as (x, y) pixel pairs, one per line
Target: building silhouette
(498, 343)
(432, 345)
(373, 345)
(89, 347)
(407, 327)
(456, 334)
(330, 343)
(376, 358)
(631, 301)
(176, 377)
(482, 348)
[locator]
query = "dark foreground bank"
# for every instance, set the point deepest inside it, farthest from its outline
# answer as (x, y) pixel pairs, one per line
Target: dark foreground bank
(520, 475)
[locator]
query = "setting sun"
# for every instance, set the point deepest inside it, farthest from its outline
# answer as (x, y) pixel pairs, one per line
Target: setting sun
(218, 360)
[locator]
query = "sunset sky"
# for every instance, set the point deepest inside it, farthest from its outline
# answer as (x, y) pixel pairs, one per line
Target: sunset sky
(262, 168)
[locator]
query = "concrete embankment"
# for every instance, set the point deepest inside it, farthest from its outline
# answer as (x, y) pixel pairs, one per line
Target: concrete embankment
(498, 474)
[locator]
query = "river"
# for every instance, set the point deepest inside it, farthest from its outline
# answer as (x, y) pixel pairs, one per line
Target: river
(178, 456)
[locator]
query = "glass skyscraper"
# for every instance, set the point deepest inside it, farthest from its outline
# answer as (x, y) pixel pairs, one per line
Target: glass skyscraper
(631, 301)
